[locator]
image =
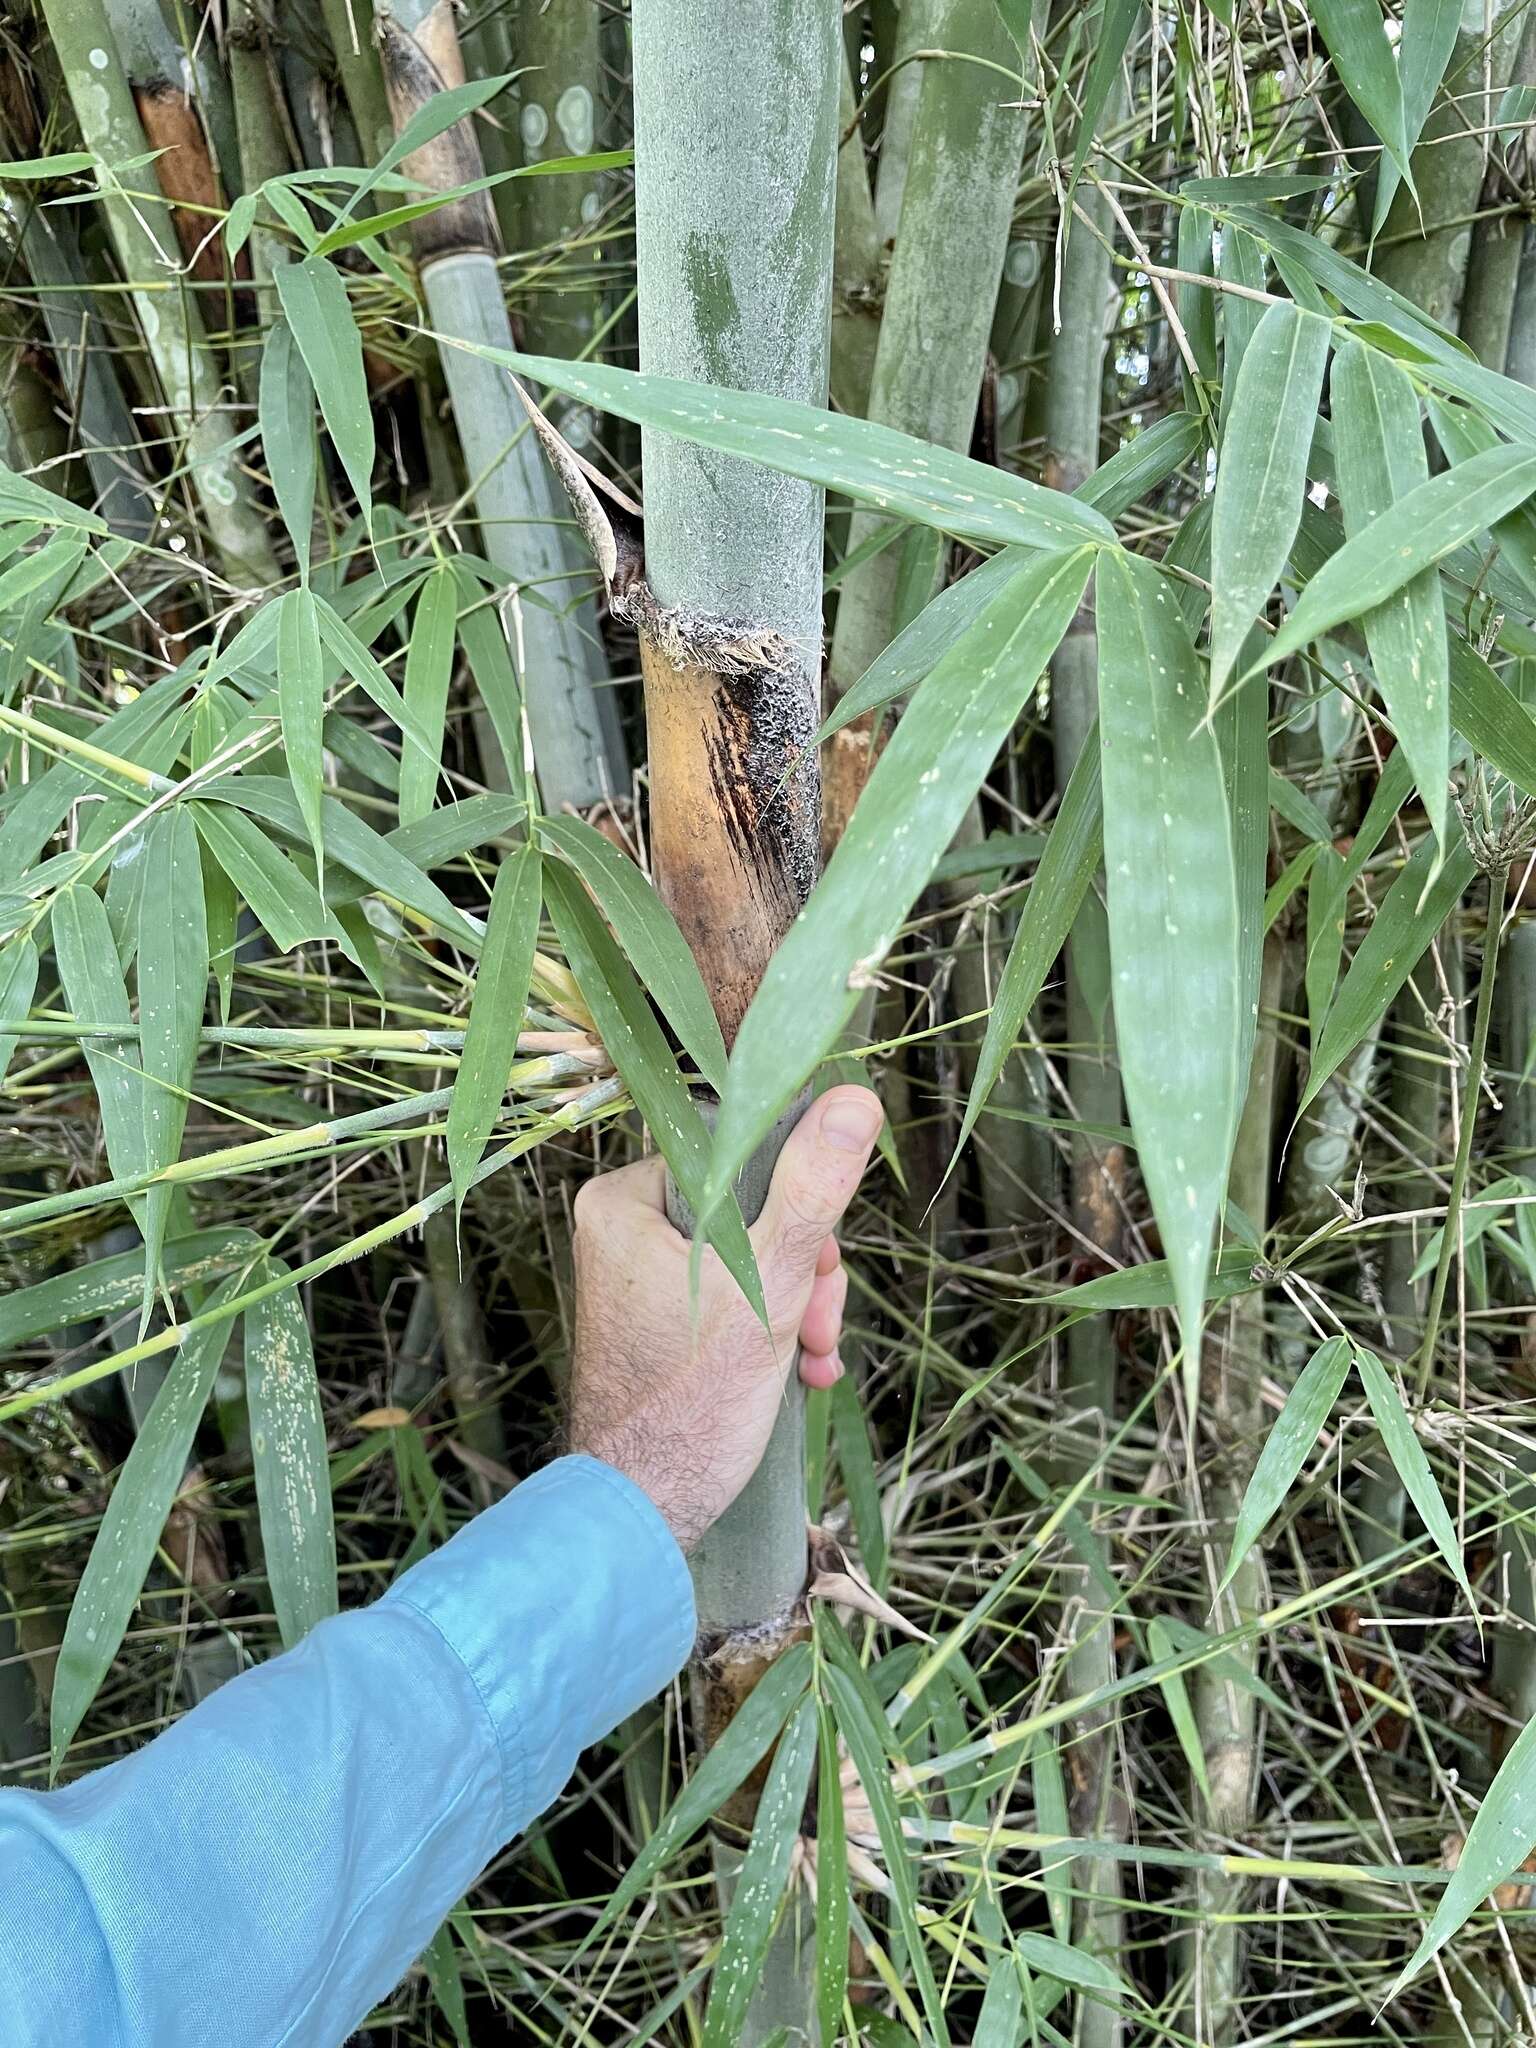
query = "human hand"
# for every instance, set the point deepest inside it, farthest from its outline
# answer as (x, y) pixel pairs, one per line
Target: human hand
(682, 1398)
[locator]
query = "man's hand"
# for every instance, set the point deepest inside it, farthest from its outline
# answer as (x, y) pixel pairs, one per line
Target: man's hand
(682, 1402)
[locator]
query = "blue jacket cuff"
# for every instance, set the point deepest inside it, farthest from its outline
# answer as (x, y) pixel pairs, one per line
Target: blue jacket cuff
(570, 1605)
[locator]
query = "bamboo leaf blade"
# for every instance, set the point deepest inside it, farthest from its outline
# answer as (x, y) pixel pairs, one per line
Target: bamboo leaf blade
(1418, 531)
(285, 413)
(1380, 453)
(1262, 474)
(18, 982)
(173, 986)
(495, 1014)
(1362, 56)
(874, 464)
(317, 310)
(1307, 1407)
(301, 705)
(1173, 917)
(288, 1450)
(917, 793)
(1411, 1465)
(131, 1528)
(428, 673)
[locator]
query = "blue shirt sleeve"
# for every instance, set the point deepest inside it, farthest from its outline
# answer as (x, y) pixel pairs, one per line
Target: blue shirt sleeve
(314, 1820)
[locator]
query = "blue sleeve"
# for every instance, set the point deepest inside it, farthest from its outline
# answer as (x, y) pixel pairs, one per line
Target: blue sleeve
(331, 1806)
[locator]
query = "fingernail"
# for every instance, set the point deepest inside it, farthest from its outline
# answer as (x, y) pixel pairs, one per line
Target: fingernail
(850, 1122)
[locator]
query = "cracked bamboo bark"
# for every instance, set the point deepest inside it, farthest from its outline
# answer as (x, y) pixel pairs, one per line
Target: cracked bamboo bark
(577, 744)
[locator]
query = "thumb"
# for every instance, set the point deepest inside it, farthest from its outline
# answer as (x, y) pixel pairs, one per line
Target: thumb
(818, 1170)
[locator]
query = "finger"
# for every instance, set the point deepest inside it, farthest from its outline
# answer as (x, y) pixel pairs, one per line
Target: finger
(819, 1371)
(603, 1202)
(831, 1255)
(822, 1323)
(818, 1171)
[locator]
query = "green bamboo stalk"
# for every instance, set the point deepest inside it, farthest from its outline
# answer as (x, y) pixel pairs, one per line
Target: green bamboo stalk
(1520, 359)
(259, 135)
(726, 540)
(1514, 1649)
(561, 101)
(1426, 242)
(857, 269)
(172, 326)
(956, 208)
(1498, 238)
(1232, 1413)
(577, 745)
(349, 27)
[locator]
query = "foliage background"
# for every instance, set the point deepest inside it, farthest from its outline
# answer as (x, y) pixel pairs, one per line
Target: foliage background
(266, 759)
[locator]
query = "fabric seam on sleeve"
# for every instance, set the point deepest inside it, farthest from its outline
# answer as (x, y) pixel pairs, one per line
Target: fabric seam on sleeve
(508, 1746)
(676, 1565)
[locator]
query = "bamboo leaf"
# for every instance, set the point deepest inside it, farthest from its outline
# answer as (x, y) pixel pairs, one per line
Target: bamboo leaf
(1286, 1447)
(648, 932)
(1379, 448)
(1112, 35)
(1073, 851)
(873, 464)
(832, 1882)
(286, 415)
(1146, 460)
(495, 1014)
(1499, 1840)
(1173, 917)
(628, 1028)
(1048, 1780)
(1430, 28)
(1068, 1965)
(107, 1286)
(428, 672)
(908, 813)
(315, 305)
(288, 1450)
(131, 1528)
(284, 902)
(861, 1726)
(93, 985)
(57, 560)
(741, 1748)
(301, 704)
(1357, 41)
(18, 982)
(1419, 529)
(1416, 906)
(173, 986)
(1262, 474)
(761, 1885)
(1410, 1464)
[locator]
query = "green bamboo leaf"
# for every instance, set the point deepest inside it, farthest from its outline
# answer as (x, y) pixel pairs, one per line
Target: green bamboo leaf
(131, 1528)
(1362, 56)
(873, 464)
(648, 932)
(832, 1882)
(1262, 474)
(285, 411)
(484, 640)
(1073, 851)
(742, 1747)
(1048, 1781)
(315, 305)
(1379, 447)
(1416, 906)
(495, 1014)
(1307, 1407)
(440, 1964)
(349, 843)
(428, 672)
(1491, 718)
(18, 983)
(442, 110)
(1430, 28)
(1499, 1840)
(1480, 1213)
(862, 1727)
(106, 1287)
(1418, 530)
(1173, 916)
(1111, 37)
(760, 1887)
(93, 986)
(288, 1451)
(628, 1028)
(173, 985)
(301, 705)
(1410, 1464)
(283, 901)
(1146, 460)
(347, 648)
(911, 806)
(1068, 1965)
(21, 498)
(56, 561)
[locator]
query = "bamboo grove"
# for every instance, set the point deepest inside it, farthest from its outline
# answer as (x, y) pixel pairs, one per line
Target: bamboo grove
(572, 571)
